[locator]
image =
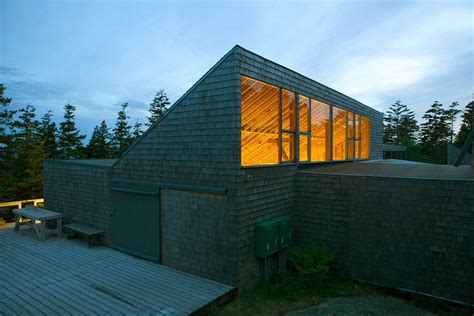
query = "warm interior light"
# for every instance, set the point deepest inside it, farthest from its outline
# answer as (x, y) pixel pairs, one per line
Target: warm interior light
(319, 131)
(357, 136)
(260, 130)
(364, 138)
(339, 130)
(350, 135)
(265, 107)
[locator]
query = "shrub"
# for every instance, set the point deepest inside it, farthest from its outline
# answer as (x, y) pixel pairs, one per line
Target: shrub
(313, 261)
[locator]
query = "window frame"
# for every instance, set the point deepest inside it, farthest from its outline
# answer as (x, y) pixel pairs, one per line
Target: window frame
(297, 133)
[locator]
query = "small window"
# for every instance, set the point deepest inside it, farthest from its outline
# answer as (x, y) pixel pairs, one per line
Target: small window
(350, 135)
(364, 138)
(339, 133)
(303, 127)
(288, 111)
(319, 131)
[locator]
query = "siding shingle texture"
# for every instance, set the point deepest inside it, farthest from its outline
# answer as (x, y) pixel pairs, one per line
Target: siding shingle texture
(80, 192)
(415, 234)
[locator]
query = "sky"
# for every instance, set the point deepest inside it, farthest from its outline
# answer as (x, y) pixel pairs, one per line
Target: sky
(100, 54)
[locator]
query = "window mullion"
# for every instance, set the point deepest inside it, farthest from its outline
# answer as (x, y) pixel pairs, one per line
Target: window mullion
(280, 136)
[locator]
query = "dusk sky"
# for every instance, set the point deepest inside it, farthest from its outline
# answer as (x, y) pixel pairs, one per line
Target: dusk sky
(100, 54)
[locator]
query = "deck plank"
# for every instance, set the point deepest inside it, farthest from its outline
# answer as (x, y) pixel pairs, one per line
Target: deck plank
(65, 277)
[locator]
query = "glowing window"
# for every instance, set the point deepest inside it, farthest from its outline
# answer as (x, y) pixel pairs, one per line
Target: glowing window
(339, 133)
(303, 127)
(357, 136)
(287, 147)
(319, 131)
(288, 110)
(277, 129)
(260, 123)
(304, 114)
(364, 138)
(304, 145)
(350, 135)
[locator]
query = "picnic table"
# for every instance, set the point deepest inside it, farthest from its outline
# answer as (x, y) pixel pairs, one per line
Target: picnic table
(37, 217)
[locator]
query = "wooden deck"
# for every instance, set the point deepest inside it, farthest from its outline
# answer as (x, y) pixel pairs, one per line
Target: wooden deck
(64, 277)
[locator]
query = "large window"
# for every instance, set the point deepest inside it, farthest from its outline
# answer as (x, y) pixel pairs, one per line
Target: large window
(260, 123)
(280, 126)
(320, 113)
(339, 133)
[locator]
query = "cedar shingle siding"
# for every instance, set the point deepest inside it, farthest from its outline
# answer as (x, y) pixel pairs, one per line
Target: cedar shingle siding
(197, 145)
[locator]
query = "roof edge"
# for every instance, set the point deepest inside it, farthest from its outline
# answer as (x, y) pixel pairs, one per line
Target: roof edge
(306, 77)
(171, 108)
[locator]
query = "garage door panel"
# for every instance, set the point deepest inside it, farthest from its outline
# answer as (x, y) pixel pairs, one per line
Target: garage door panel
(136, 224)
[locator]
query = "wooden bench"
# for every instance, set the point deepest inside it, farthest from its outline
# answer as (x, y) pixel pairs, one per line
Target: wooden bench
(92, 234)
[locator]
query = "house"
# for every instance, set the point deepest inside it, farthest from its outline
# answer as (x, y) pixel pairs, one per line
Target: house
(237, 148)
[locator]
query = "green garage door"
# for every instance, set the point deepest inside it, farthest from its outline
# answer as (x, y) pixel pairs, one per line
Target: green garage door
(136, 222)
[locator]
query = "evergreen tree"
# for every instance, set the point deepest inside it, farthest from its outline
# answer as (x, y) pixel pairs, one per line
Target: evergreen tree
(451, 115)
(99, 144)
(435, 128)
(47, 132)
(137, 130)
(6, 152)
(467, 124)
(27, 125)
(26, 163)
(70, 139)
(158, 107)
(122, 137)
(6, 116)
(400, 125)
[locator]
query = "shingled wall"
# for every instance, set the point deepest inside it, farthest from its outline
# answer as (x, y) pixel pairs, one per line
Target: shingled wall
(80, 191)
(415, 234)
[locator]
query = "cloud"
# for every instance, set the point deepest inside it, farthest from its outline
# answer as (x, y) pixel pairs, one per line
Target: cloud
(9, 71)
(381, 74)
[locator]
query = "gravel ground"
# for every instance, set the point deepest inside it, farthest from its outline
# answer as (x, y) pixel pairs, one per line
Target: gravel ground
(368, 305)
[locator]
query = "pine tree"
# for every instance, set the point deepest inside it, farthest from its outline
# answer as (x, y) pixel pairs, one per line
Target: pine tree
(122, 137)
(467, 124)
(27, 125)
(435, 128)
(158, 107)
(6, 138)
(70, 139)
(47, 132)
(6, 116)
(99, 144)
(451, 115)
(26, 164)
(137, 130)
(400, 125)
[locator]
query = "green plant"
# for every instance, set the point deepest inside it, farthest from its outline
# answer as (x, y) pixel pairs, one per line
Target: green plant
(313, 261)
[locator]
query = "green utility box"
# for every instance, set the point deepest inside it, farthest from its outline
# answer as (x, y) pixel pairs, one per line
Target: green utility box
(272, 235)
(266, 238)
(286, 230)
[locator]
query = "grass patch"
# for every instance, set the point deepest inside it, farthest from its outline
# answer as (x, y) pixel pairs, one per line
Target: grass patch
(291, 291)
(288, 292)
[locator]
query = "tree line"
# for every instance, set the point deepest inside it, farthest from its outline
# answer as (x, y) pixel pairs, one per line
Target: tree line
(437, 128)
(26, 140)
